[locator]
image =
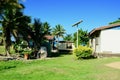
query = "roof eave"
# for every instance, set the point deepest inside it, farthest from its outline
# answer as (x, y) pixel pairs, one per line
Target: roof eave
(103, 28)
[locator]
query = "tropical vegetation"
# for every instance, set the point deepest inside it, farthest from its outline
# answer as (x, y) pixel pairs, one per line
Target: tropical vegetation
(29, 38)
(11, 18)
(83, 52)
(15, 23)
(83, 37)
(58, 31)
(68, 37)
(114, 22)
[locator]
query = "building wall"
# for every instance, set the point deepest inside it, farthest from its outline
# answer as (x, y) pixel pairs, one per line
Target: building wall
(95, 44)
(110, 41)
(65, 46)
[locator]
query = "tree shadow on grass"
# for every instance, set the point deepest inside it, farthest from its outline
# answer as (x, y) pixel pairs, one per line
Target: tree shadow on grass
(59, 54)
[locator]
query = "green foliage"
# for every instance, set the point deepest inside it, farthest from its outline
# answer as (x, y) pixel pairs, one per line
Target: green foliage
(83, 38)
(46, 28)
(58, 31)
(2, 50)
(22, 47)
(13, 21)
(82, 52)
(114, 22)
(68, 37)
(38, 33)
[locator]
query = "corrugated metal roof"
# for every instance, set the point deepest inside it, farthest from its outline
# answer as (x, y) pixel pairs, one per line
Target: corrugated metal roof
(49, 37)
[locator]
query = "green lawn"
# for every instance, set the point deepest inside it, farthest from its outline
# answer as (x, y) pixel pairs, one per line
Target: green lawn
(2, 49)
(59, 68)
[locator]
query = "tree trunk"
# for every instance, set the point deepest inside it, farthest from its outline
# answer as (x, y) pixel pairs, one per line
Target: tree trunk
(7, 41)
(7, 49)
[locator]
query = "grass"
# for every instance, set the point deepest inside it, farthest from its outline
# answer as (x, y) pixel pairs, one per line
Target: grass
(2, 49)
(60, 68)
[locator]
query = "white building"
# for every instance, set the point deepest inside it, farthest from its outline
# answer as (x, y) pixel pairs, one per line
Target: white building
(66, 46)
(105, 40)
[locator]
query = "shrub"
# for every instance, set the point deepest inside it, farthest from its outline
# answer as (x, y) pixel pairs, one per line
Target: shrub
(82, 52)
(22, 47)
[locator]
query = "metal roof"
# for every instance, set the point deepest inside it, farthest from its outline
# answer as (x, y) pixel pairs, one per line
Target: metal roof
(103, 28)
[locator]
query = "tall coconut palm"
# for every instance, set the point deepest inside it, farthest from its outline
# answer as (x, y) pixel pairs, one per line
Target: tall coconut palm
(38, 32)
(47, 28)
(6, 5)
(8, 18)
(58, 31)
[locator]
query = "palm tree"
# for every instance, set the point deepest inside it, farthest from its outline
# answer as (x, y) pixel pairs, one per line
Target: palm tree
(47, 28)
(114, 22)
(8, 5)
(10, 20)
(39, 33)
(58, 31)
(1, 36)
(68, 37)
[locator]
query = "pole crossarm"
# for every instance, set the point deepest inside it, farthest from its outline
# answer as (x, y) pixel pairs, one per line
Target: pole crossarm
(76, 24)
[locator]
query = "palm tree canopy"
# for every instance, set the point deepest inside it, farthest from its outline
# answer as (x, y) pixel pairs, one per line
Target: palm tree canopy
(58, 31)
(9, 5)
(68, 37)
(11, 17)
(114, 22)
(47, 28)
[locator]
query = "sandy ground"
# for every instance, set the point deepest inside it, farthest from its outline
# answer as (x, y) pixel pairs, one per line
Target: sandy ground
(114, 65)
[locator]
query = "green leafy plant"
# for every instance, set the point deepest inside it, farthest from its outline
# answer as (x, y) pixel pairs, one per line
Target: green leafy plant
(82, 52)
(22, 47)
(27, 50)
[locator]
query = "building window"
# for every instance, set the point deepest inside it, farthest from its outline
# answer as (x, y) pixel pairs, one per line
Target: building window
(69, 45)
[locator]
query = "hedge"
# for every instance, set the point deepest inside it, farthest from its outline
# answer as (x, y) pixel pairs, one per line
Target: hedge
(82, 52)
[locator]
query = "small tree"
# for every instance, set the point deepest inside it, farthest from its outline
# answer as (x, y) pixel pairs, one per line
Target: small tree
(82, 37)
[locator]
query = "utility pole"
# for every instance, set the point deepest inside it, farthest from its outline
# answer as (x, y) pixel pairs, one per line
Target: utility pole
(76, 24)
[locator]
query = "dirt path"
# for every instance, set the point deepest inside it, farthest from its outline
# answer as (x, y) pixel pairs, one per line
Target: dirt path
(114, 65)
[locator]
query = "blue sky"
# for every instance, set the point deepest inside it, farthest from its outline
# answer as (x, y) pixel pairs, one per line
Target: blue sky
(94, 13)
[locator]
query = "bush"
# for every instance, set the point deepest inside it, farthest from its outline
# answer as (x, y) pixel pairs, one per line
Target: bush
(82, 52)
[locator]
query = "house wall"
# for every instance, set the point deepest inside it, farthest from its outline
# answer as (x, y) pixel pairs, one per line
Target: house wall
(62, 46)
(65, 46)
(95, 44)
(110, 41)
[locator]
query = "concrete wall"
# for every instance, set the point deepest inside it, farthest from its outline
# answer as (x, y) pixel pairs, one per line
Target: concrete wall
(110, 41)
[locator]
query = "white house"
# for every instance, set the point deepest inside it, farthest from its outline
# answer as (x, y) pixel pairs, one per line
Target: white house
(66, 46)
(105, 40)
